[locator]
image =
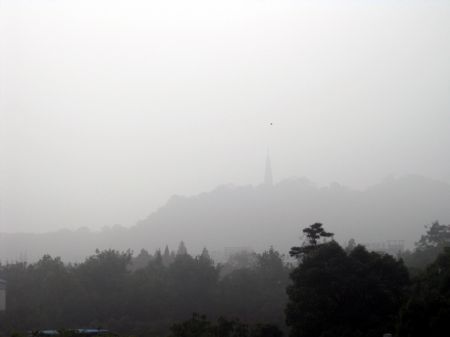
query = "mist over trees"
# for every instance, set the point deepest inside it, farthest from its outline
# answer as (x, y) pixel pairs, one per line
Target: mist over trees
(430, 245)
(327, 291)
(354, 292)
(228, 216)
(335, 293)
(427, 309)
(104, 291)
(109, 107)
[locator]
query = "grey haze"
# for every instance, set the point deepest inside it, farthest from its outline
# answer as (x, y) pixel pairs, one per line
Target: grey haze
(108, 108)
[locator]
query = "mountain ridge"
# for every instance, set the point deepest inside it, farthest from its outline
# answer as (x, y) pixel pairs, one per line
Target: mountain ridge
(258, 217)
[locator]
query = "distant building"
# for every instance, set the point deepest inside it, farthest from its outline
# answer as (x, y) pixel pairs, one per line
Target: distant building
(230, 251)
(392, 247)
(2, 295)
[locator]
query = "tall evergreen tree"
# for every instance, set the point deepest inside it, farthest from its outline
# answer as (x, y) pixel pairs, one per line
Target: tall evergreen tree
(338, 294)
(182, 250)
(166, 256)
(313, 235)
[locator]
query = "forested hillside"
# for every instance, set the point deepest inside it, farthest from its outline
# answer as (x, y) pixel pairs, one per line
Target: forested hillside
(256, 217)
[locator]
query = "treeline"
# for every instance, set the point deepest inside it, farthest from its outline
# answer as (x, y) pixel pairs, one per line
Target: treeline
(331, 291)
(352, 292)
(109, 290)
(356, 293)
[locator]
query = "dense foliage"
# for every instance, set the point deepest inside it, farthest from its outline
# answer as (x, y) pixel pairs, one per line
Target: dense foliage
(313, 236)
(352, 292)
(430, 245)
(428, 309)
(331, 292)
(339, 294)
(107, 291)
(200, 326)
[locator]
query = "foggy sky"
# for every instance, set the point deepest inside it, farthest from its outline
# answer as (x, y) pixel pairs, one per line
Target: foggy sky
(107, 108)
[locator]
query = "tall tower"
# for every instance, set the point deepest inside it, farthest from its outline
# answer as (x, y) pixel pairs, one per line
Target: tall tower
(268, 179)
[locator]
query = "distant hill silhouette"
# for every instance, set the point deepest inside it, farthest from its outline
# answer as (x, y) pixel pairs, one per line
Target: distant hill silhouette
(258, 217)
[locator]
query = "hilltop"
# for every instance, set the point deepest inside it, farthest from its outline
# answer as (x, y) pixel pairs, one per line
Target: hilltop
(258, 217)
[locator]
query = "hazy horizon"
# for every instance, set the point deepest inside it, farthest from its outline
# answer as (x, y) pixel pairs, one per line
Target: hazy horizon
(108, 108)
(303, 180)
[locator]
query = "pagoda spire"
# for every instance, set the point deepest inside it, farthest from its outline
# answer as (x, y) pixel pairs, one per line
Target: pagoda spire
(268, 179)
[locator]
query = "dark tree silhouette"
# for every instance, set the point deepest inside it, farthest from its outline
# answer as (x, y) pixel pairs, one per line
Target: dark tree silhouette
(166, 256)
(338, 294)
(200, 326)
(182, 250)
(437, 235)
(312, 234)
(430, 245)
(428, 310)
